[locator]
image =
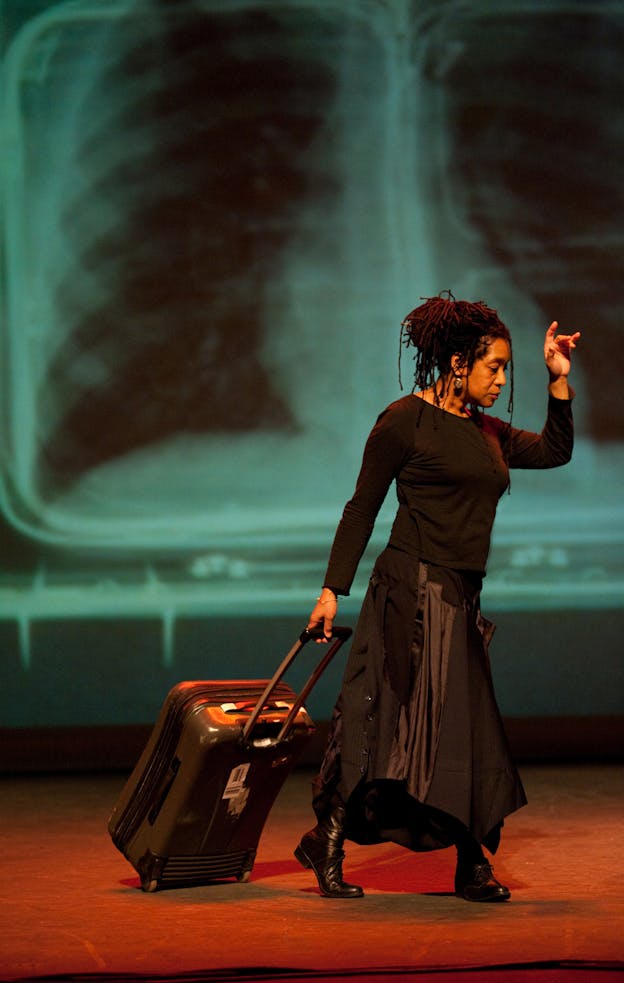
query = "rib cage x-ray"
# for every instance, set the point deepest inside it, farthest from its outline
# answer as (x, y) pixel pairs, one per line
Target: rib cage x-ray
(215, 218)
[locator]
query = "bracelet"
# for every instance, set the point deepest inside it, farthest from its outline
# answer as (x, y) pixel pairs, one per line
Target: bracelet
(329, 599)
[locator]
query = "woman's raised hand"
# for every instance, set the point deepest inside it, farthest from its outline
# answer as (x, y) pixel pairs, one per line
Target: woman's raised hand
(558, 351)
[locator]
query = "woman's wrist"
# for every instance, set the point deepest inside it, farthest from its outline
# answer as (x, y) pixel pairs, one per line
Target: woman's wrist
(326, 596)
(559, 387)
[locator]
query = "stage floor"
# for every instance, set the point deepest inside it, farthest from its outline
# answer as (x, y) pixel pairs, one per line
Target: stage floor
(71, 903)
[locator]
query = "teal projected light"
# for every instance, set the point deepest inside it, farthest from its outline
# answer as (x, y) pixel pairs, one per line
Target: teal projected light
(168, 278)
(215, 217)
(174, 285)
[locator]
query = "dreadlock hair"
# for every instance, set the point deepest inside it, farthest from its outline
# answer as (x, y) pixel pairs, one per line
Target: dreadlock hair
(443, 327)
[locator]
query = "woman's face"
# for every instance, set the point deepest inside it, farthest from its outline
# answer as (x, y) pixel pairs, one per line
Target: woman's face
(487, 377)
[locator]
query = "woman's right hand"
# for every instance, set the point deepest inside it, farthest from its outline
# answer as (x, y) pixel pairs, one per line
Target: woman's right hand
(324, 613)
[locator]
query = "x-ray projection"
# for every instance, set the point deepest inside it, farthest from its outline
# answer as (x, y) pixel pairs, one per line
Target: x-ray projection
(215, 217)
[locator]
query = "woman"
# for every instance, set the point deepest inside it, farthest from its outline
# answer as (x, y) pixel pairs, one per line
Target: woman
(417, 753)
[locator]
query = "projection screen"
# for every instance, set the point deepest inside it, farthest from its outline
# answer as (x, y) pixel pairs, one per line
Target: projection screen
(215, 217)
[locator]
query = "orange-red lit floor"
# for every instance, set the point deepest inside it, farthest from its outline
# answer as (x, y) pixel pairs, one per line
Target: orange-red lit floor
(71, 903)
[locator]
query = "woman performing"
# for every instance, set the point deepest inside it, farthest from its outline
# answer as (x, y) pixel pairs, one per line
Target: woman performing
(417, 753)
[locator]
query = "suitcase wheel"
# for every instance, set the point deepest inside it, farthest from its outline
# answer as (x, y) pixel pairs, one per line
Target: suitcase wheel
(149, 869)
(244, 876)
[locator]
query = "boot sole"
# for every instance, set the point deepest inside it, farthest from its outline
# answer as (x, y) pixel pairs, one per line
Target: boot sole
(493, 899)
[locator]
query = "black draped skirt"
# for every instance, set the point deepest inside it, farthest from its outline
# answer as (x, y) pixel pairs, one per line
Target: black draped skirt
(416, 743)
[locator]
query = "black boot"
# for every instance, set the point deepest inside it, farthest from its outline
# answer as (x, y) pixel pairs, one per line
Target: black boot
(476, 882)
(321, 850)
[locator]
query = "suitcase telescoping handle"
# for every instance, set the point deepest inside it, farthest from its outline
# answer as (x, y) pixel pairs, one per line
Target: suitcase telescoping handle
(338, 637)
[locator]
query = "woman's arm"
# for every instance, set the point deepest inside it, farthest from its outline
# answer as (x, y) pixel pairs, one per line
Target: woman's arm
(384, 454)
(553, 446)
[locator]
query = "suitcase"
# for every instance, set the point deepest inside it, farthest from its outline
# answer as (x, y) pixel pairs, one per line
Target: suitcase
(194, 807)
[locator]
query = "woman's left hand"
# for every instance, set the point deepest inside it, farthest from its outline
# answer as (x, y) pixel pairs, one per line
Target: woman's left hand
(558, 351)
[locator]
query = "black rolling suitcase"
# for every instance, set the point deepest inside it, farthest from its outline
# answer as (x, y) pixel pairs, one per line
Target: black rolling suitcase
(193, 809)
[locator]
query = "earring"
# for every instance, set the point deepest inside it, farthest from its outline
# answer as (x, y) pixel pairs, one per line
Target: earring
(458, 383)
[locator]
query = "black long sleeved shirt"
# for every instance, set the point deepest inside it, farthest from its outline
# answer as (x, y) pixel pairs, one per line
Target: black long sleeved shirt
(450, 472)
